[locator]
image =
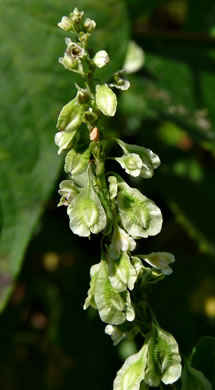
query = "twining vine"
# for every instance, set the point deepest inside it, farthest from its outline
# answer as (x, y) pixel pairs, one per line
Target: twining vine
(102, 202)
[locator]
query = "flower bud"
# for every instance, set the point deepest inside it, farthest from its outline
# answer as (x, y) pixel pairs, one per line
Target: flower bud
(106, 100)
(76, 16)
(83, 38)
(82, 95)
(65, 140)
(65, 24)
(121, 242)
(101, 58)
(89, 25)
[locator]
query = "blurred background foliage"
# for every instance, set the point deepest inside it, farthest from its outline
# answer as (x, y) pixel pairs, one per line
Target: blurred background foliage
(46, 339)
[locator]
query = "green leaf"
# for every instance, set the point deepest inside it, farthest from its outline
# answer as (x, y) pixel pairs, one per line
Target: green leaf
(32, 91)
(77, 160)
(163, 359)
(132, 372)
(106, 100)
(193, 379)
(203, 357)
(139, 215)
(86, 213)
(122, 274)
(111, 305)
(70, 117)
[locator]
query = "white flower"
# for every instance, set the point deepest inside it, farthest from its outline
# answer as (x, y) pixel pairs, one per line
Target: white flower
(89, 25)
(101, 58)
(160, 260)
(121, 242)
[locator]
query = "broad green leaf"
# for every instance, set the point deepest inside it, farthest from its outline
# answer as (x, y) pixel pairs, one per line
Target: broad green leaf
(122, 274)
(160, 260)
(90, 300)
(86, 213)
(70, 117)
(32, 92)
(121, 242)
(132, 372)
(110, 304)
(203, 357)
(106, 100)
(193, 379)
(149, 160)
(139, 215)
(163, 359)
(77, 160)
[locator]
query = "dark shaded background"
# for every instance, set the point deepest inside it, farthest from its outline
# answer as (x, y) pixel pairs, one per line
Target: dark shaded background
(47, 340)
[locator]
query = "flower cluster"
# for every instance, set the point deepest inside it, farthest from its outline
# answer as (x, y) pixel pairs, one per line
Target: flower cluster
(104, 203)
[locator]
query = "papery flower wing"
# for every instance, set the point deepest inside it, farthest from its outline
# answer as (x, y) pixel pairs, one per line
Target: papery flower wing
(122, 274)
(163, 358)
(160, 260)
(77, 160)
(150, 160)
(113, 186)
(139, 215)
(131, 374)
(132, 164)
(90, 300)
(121, 242)
(70, 117)
(110, 303)
(86, 214)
